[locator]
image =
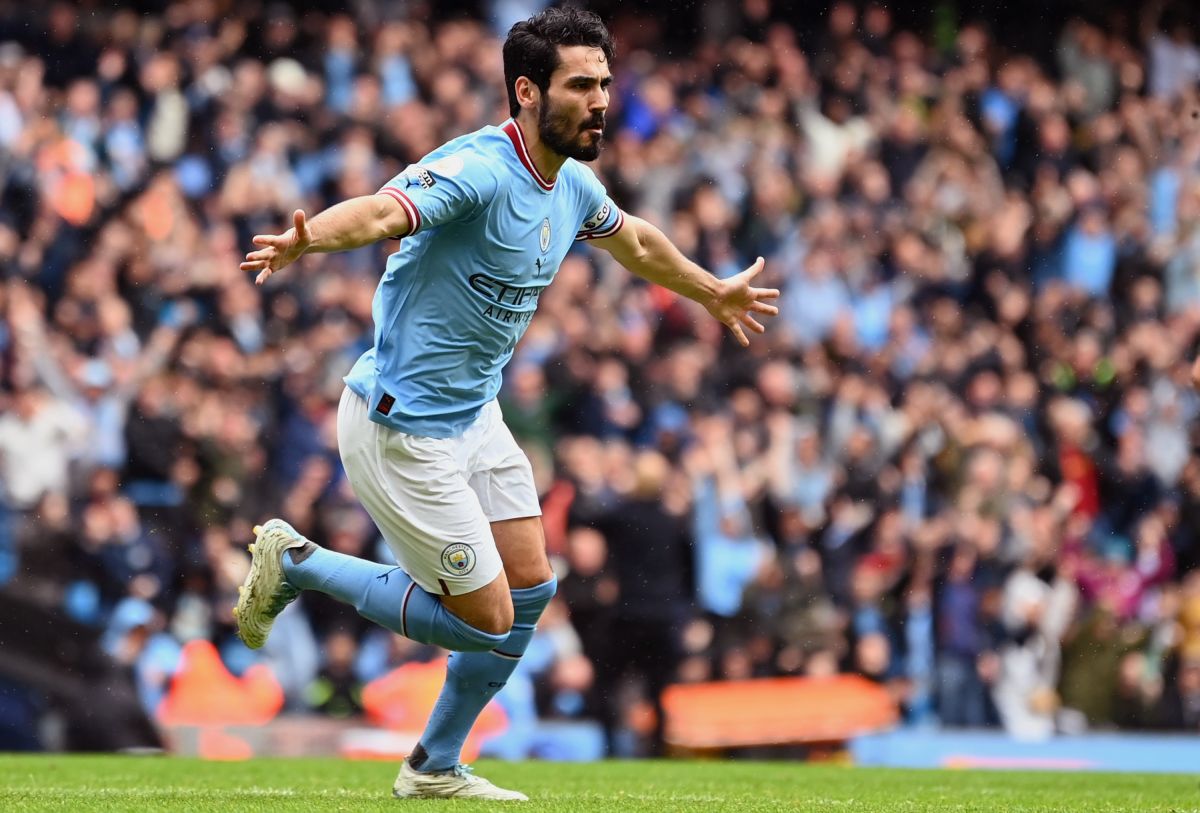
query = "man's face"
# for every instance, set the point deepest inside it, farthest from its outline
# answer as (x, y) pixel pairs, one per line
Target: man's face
(571, 116)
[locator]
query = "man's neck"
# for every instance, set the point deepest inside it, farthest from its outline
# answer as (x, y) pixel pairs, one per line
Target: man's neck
(547, 161)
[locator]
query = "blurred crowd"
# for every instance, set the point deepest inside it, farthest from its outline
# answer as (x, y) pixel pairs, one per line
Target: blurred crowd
(959, 463)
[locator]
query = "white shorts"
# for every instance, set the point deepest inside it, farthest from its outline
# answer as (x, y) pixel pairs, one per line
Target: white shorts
(432, 498)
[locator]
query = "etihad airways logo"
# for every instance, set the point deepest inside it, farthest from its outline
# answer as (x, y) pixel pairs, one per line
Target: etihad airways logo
(502, 297)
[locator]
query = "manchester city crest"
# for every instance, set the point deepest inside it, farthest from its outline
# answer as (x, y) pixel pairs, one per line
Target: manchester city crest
(545, 234)
(458, 559)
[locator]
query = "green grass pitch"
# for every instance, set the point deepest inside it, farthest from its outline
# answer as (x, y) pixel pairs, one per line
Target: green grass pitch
(107, 783)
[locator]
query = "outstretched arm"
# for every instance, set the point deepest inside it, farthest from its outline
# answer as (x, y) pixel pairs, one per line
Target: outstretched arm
(647, 252)
(350, 224)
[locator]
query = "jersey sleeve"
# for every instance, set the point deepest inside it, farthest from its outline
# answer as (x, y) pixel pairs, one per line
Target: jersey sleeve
(443, 190)
(602, 217)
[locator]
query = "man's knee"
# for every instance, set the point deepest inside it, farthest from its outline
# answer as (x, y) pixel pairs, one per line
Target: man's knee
(490, 613)
(482, 630)
(488, 609)
(474, 640)
(496, 620)
(533, 576)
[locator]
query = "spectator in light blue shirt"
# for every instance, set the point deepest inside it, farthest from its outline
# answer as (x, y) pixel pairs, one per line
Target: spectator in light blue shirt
(1090, 253)
(1164, 200)
(341, 62)
(873, 315)
(728, 555)
(815, 299)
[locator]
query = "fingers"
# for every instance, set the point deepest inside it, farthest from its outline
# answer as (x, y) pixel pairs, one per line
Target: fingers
(756, 269)
(738, 333)
(276, 241)
(764, 293)
(752, 323)
(265, 254)
(274, 245)
(258, 260)
(763, 307)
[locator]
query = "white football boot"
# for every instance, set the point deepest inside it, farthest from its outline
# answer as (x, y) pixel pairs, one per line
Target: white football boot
(264, 594)
(458, 783)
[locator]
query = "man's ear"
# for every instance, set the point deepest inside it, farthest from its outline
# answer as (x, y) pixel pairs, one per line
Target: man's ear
(529, 95)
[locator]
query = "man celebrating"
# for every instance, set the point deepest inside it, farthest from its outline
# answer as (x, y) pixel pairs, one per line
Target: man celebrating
(486, 220)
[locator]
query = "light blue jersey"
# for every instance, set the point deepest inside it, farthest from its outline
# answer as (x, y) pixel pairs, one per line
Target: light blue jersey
(488, 234)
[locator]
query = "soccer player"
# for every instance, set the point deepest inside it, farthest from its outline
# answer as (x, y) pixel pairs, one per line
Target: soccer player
(485, 221)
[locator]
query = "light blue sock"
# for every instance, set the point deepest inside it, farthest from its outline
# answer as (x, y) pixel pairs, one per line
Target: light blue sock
(472, 679)
(386, 595)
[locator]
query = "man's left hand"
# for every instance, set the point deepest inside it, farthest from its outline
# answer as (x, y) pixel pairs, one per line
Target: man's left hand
(737, 301)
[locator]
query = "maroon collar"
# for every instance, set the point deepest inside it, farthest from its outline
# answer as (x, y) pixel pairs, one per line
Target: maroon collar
(513, 130)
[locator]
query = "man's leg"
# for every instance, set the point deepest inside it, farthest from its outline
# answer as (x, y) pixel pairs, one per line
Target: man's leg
(477, 621)
(474, 678)
(415, 491)
(502, 480)
(284, 563)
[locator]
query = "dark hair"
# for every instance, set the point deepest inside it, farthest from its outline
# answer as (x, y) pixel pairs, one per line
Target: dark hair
(531, 49)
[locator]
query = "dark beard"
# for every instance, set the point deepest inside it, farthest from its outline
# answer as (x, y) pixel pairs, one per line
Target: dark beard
(561, 136)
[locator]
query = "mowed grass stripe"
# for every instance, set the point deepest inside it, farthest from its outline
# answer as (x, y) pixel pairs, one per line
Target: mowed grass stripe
(113, 783)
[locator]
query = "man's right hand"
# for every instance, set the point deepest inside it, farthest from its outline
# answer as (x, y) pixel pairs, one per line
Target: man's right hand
(278, 250)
